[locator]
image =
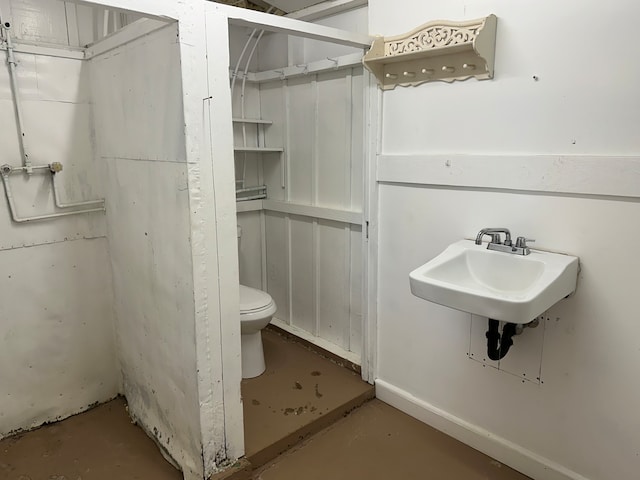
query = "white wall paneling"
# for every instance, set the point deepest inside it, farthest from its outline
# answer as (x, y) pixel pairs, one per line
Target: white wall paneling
(311, 220)
(552, 158)
(156, 174)
(313, 233)
(59, 354)
(142, 153)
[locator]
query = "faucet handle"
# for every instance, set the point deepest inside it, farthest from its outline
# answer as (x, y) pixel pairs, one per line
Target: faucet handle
(521, 242)
(495, 238)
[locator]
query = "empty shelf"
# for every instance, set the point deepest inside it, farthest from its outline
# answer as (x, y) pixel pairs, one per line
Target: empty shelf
(257, 149)
(252, 120)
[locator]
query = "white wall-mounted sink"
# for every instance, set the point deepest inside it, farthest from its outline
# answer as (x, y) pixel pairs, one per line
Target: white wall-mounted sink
(498, 285)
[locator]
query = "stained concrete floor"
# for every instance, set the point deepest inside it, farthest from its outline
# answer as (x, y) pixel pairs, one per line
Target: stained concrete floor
(298, 406)
(101, 444)
(300, 393)
(378, 442)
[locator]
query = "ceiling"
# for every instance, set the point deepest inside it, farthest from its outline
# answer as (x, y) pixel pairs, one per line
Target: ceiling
(281, 7)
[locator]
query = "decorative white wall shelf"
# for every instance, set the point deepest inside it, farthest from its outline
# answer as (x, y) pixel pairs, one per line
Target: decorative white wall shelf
(439, 50)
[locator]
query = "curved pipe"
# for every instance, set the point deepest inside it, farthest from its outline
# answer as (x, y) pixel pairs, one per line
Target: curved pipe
(498, 345)
(7, 170)
(17, 219)
(60, 204)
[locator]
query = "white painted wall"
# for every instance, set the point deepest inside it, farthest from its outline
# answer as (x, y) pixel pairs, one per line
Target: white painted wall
(313, 266)
(310, 266)
(137, 94)
(155, 161)
(62, 23)
(56, 317)
(305, 50)
(581, 420)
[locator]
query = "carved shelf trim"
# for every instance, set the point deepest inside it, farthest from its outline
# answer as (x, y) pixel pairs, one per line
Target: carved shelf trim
(440, 50)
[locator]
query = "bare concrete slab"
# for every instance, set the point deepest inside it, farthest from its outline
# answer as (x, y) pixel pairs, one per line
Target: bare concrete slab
(300, 393)
(100, 444)
(378, 442)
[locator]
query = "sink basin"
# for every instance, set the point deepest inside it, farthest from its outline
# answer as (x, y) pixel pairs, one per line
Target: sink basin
(498, 285)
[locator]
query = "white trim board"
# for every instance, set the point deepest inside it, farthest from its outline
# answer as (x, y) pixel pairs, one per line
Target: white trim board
(318, 341)
(562, 174)
(311, 211)
(320, 66)
(326, 9)
(345, 216)
(290, 26)
(47, 51)
(133, 31)
(509, 453)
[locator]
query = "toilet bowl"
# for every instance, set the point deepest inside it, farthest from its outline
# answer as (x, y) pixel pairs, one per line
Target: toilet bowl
(256, 309)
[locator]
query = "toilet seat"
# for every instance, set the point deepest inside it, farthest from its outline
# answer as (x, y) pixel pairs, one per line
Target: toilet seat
(254, 301)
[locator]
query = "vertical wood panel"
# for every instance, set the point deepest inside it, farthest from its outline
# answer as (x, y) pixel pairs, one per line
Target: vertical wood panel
(314, 267)
(277, 263)
(333, 288)
(302, 274)
(357, 139)
(333, 127)
(301, 127)
(355, 289)
(250, 252)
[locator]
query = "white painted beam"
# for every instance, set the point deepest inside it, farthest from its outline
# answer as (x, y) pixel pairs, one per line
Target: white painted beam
(346, 216)
(59, 52)
(131, 32)
(330, 64)
(289, 26)
(326, 9)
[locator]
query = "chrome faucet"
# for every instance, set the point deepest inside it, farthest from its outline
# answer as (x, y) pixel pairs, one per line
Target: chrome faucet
(520, 248)
(495, 236)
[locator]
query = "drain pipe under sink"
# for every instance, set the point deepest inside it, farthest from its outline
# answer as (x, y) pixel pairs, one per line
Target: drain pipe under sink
(498, 345)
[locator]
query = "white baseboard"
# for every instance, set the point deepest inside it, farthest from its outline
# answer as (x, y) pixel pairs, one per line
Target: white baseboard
(506, 452)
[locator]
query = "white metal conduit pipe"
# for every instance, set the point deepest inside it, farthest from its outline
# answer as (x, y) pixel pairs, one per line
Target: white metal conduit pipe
(13, 78)
(7, 170)
(27, 167)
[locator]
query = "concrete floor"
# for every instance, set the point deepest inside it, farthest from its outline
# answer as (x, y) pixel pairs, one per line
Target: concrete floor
(378, 442)
(298, 406)
(300, 393)
(101, 444)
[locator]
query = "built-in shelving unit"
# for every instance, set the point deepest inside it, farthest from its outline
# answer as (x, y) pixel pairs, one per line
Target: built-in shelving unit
(252, 193)
(439, 50)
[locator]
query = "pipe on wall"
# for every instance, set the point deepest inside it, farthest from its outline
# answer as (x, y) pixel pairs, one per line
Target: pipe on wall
(7, 170)
(13, 78)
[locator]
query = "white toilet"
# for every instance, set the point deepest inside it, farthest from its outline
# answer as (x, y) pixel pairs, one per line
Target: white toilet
(256, 309)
